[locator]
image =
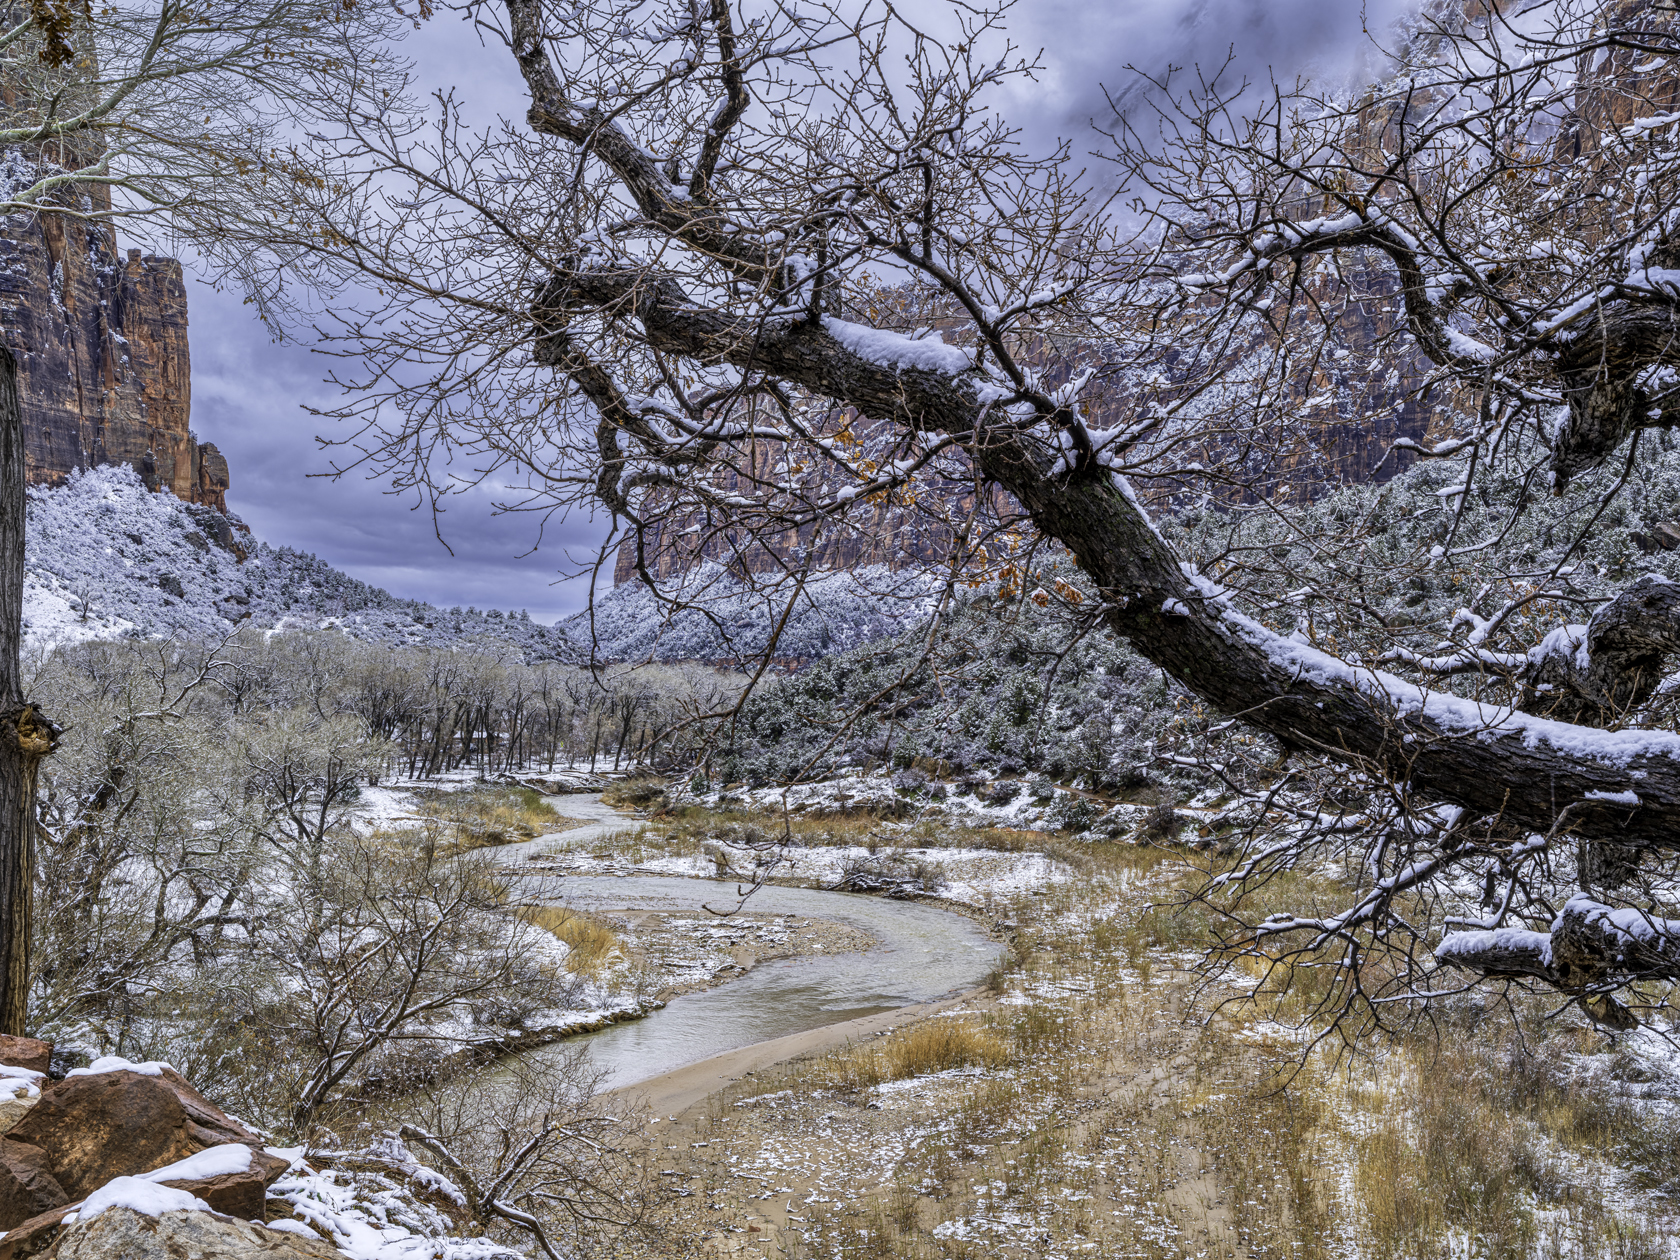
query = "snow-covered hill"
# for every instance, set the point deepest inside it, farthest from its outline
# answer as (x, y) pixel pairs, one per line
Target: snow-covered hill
(108, 558)
(105, 558)
(723, 619)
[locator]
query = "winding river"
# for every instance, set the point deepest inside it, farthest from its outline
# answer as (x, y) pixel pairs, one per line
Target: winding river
(921, 953)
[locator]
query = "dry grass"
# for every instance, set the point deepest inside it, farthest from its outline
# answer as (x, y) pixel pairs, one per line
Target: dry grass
(642, 791)
(690, 828)
(1121, 1117)
(592, 944)
(920, 1050)
(487, 815)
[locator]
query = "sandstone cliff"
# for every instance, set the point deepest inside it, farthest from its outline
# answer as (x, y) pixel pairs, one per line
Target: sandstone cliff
(101, 343)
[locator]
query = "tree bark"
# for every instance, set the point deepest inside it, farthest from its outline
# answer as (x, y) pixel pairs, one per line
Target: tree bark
(25, 737)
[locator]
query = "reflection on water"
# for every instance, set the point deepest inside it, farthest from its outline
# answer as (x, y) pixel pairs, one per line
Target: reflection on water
(921, 953)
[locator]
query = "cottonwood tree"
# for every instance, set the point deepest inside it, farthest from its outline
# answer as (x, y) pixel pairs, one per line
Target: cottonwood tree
(660, 295)
(179, 116)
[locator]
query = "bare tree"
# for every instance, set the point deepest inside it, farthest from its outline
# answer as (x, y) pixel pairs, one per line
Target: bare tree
(179, 115)
(538, 1149)
(662, 296)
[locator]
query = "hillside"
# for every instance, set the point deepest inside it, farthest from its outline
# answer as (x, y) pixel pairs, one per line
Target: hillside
(724, 619)
(106, 558)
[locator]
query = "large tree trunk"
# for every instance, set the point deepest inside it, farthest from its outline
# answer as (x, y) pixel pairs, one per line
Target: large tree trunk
(25, 737)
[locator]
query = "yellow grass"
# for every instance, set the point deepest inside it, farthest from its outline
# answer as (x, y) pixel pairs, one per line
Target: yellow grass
(486, 816)
(592, 944)
(920, 1050)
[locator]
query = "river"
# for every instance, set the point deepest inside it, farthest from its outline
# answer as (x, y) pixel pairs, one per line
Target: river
(921, 953)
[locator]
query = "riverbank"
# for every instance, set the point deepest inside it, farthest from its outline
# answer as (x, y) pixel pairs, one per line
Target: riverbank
(677, 953)
(1102, 1099)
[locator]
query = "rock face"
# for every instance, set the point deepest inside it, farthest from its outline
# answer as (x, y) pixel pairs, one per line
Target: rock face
(27, 1186)
(118, 1124)
(123, 1232)
(26, 1052)
(103, 367)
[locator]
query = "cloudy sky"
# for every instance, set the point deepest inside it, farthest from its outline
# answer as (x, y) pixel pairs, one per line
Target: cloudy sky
(249, 393)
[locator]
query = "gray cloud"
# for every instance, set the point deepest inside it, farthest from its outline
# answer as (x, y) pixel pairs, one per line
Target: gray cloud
(1087, 49)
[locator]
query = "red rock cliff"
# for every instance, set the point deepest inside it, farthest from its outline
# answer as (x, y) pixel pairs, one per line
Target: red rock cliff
(101, 343)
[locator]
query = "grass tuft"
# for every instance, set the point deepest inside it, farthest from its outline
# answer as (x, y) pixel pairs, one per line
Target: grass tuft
(592, 944)
(489, 815)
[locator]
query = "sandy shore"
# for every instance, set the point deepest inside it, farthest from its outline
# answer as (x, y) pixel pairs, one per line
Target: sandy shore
(672, 1094)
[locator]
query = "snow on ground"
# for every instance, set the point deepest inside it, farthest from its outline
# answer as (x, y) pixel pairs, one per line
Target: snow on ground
(973, 877)
(107, 558)
(1030, 803)
(368, 1204)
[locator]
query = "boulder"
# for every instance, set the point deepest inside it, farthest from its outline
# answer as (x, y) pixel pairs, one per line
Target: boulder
(27, 1186)
(12, 1110)
(101, 1125)
(123, 1232)
(35, 1235)
(242, 1195)
(26, 1052)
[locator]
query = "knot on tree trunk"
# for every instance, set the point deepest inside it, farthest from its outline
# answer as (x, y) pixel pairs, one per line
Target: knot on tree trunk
(1595, 674)
(36, 736)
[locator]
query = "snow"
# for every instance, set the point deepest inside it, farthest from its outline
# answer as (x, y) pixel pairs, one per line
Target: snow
(105, 557)
(139, 1195)
(1568, 642)
(1627, 923)
(375, 1215)
(1611, 749)
(895, 350)
(213, 1161)
(116, 1063)
(1458, 944)
(1468, 347)
(724, 617)
(1615, 798)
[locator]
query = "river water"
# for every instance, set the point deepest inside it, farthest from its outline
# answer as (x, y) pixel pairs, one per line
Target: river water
(921, 953)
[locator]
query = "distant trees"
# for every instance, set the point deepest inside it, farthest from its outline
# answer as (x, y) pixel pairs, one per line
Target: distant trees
(206, 882)
(181, 114)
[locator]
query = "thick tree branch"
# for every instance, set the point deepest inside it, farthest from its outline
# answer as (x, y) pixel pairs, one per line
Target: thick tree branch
(1484, 758)
(1595, 674)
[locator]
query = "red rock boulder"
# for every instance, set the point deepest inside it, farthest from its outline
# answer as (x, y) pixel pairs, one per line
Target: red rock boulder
(27, 1186)
(119, 1124)
(25, 1052)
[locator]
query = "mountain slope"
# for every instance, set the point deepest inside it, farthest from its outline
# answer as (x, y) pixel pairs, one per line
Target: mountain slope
(106, 558)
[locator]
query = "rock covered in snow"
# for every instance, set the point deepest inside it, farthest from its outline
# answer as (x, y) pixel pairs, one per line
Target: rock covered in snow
(120, 1123)
(183, 1235)
(25, 1052)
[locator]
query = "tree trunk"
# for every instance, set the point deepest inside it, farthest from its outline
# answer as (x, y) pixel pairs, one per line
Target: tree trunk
(25, 737)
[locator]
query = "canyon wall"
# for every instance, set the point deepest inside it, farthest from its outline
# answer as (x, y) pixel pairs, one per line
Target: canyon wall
(103, 367)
